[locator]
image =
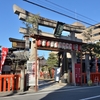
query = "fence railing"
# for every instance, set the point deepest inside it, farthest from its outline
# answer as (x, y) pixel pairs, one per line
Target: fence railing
(12, 82)
(9, 82)
(95, 77)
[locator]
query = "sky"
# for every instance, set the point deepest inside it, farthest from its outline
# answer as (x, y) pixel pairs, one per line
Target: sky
(10, 23)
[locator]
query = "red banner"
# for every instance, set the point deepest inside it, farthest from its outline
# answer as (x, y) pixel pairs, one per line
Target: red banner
(3, 57)
(78, 73)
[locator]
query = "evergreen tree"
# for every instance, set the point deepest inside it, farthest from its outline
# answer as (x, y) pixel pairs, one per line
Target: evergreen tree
(52, 60)
(97, 50)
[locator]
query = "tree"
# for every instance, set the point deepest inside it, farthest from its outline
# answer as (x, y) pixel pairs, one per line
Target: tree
(89, 49)
(89, 46)
(87, 35)
(97, 50)
(31, 24)
(52, 60)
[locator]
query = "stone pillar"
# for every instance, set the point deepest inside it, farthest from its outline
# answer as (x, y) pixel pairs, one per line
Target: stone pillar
(32, 51)
(72, 35)
(64, 69)
(22, 79)
(73, 55)
(87, 67)
(68, 78)
(33, 45)
(33, 56)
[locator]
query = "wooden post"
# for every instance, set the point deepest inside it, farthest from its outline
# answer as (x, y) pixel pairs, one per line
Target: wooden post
(36, 77)
(9, 83)
(0, 83)
(4, 87)
(22, 78)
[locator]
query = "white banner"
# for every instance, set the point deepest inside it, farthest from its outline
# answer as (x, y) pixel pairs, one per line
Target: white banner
(31, 71)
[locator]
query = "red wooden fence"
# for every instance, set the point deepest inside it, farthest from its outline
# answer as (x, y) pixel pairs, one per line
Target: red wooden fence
(9, 82)
(12, 82)
(95, 77)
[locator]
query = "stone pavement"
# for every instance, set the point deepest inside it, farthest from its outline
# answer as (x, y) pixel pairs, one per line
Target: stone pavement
(49, 86)
(57, 86)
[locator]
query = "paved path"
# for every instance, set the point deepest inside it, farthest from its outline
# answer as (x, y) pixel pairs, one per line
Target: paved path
(42, 85)
(58, 93)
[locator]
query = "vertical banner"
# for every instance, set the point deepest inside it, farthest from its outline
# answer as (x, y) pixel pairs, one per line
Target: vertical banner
(57, 74)
(31, 70)
(78, 73)
(3, 57)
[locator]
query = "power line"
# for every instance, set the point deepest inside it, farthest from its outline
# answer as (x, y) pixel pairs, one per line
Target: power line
(70, 10)
(57, 12)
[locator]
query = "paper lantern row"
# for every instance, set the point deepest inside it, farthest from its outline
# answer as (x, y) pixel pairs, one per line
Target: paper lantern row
(54, 44)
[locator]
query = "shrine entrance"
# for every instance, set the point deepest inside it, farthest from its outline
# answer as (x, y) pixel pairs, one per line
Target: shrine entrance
(53, 42)
(62, 47)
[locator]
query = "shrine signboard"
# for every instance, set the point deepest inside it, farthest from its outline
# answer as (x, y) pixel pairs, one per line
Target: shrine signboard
(31, 71)
(78, 73)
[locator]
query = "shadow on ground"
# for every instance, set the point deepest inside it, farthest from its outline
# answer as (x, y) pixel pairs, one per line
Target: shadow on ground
(43, 84)
(69, 93)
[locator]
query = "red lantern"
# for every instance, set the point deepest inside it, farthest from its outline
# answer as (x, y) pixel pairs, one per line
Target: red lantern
(73, 46)
(48, 43)
(79, 47)
(39, 42)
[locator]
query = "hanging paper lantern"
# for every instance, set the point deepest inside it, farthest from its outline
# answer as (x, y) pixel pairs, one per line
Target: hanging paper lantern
(70, 46)
(76, 47)
(73, 46)
(39, 42)
(43, 43)
(52, 44)
(63, 46)
(59, 45)
(66, 45)
(56, 44)
(79, 47)
(48, 43)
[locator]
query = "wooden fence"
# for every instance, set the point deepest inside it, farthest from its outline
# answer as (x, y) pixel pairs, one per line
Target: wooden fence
(95, 77)
(12, 82)
(9, 82)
